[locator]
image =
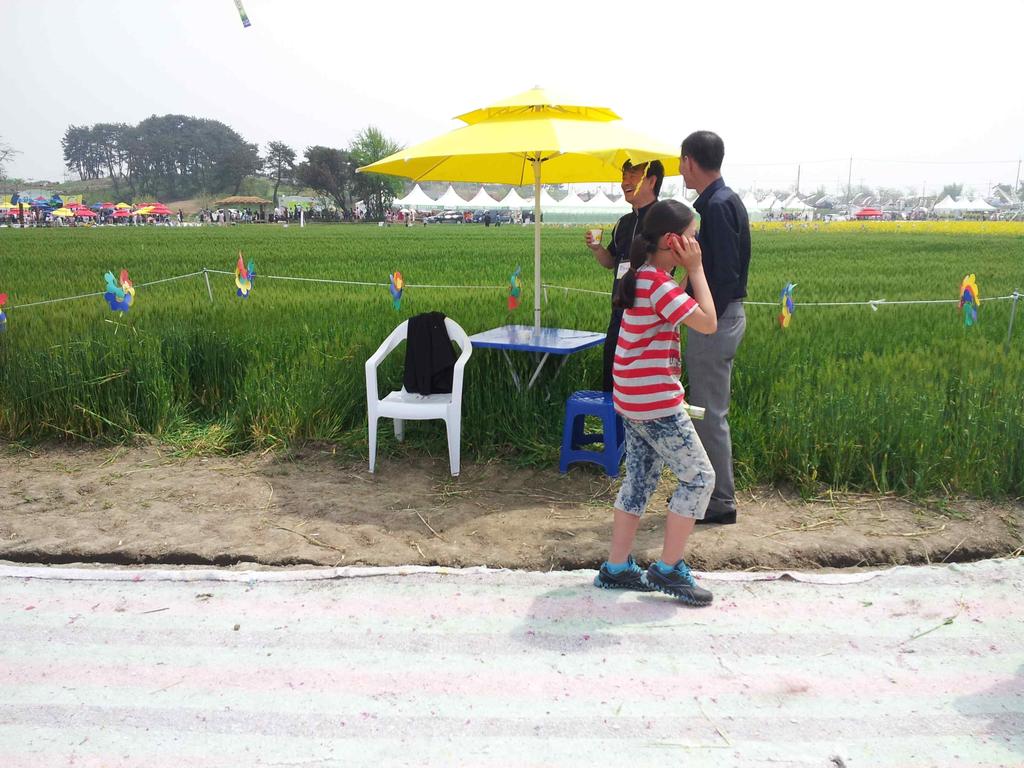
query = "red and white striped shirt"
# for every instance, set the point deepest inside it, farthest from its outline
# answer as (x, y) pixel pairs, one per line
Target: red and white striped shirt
(647, 365)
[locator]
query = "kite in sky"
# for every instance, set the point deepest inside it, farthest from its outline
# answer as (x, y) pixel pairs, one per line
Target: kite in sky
(241, 14)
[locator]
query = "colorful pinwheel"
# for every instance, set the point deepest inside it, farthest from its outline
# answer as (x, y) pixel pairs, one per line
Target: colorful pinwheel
(245, 277)
(397, 284)
(515, 288)
(3, 315)
(970, 300)
(119, 297)
(788, 305)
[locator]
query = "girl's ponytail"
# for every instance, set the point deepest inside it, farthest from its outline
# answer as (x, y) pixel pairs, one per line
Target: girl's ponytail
(663, 217)
(639, 251)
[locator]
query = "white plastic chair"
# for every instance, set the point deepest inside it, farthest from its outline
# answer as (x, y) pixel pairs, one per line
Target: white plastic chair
(403, 405)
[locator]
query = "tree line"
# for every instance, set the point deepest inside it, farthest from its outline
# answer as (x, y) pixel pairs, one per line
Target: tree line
(176, 156)
(166, 156)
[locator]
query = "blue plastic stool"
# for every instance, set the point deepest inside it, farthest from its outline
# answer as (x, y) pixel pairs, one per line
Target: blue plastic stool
(577, 408)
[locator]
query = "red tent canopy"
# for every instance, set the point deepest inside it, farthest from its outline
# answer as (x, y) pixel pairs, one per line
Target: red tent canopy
(868, 213)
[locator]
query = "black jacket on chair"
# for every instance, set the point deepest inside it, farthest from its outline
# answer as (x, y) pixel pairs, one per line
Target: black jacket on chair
(429, 355)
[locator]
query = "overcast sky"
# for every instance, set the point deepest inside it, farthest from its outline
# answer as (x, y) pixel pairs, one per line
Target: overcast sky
(919, 93)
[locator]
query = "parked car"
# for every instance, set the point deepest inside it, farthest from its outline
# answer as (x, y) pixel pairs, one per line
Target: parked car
(445, 217)
(497, 216)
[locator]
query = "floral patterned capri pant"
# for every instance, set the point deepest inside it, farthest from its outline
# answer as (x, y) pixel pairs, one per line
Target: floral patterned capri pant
(650, 445)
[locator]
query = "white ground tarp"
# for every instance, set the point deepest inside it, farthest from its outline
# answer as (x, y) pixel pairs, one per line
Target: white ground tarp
(904, 668)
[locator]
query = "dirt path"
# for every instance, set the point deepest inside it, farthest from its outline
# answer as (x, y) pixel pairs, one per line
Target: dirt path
(143, 505)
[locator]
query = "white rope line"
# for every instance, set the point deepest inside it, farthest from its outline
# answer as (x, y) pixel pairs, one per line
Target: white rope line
(873, 303)
(877, 302)
(169, 279)
(576, 290)
(100, 293)
(353, 282)
(869, 303)
(54, 301)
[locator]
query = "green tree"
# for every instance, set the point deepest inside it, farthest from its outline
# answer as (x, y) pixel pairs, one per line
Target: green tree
(329, 172)
(169, 156)
(80, 154)
(279, 164)
(953, 190)
(885, 194)
(376, 190)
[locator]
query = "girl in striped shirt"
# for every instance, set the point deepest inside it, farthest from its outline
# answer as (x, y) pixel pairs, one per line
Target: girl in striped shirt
(649, 396)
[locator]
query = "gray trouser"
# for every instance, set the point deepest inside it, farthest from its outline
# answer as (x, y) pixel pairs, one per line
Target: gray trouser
(709, 372)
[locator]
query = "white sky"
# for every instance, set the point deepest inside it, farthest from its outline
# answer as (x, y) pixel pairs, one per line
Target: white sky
(933, 85)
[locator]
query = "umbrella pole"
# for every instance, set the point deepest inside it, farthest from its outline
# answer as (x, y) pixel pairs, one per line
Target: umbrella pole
(536, 244)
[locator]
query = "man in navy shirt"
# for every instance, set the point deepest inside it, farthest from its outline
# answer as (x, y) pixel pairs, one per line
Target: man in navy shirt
(725, 246)
(641, 185)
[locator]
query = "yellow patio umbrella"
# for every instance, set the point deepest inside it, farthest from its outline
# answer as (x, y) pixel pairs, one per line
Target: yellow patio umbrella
(145, 210)
(62, 212)
(535, 135)
(122, 206)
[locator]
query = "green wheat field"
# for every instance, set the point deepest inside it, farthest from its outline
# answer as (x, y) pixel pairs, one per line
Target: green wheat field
(900, 399)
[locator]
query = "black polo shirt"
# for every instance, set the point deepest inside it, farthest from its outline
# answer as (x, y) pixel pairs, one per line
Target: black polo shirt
(628, 227)
(724, 243)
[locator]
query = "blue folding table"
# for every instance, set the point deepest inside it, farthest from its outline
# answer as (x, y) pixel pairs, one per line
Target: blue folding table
(546, 342)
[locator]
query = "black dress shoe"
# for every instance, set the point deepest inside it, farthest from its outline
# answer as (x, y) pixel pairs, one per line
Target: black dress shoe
(722, 518)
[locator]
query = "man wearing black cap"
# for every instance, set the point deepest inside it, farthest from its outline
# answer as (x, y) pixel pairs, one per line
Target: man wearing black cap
(725, 246)
(640, 187)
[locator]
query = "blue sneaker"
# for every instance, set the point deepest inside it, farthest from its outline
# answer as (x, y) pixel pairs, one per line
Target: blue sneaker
(678, 583)
(632, 577)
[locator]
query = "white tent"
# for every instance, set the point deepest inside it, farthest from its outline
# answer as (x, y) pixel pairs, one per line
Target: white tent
(572, 200)
(680, 197)
(451, 199)
(771, 203)
(750, 202)
(547, 202)
(601, 201)
(948, 205)
(417, 198)
(979, 205)
(514, 200)
(794, 203)
(482, 200)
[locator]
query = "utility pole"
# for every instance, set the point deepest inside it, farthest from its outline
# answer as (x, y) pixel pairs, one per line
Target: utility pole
(1016, 185)
(849, 181)
(798, 178)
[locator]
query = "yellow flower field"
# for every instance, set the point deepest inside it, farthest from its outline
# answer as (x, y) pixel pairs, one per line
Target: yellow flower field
(1013, 228)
